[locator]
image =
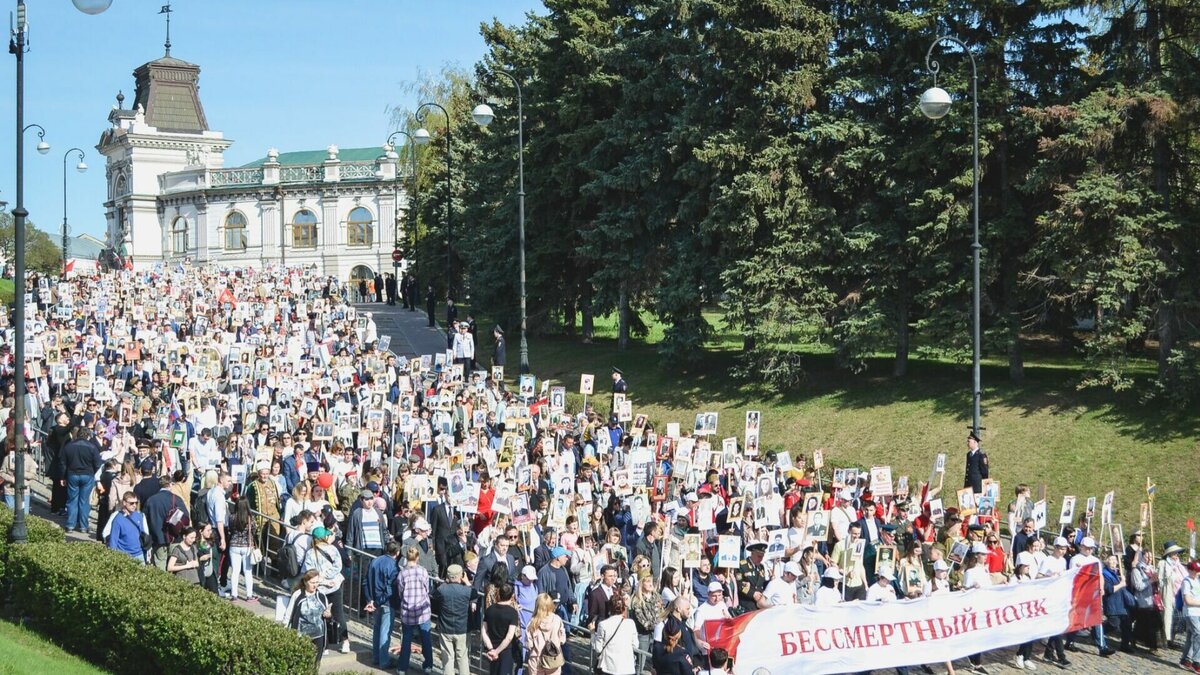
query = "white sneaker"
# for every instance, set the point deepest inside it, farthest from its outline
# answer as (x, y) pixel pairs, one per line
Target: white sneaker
(1020, 663)
(1030, 665)
(346, 647)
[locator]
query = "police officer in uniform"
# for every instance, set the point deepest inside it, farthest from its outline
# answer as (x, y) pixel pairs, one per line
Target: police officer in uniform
(977, 464)
(619, 386)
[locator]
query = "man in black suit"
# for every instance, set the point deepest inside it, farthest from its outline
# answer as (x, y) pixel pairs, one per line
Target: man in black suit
(499, 555)
(430, 304)
(599, 596)
(977, 464)
(442, 522)
(389, 285)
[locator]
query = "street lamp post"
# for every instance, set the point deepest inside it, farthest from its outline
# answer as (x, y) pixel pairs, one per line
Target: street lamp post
(80, 167)
(421, 136)
(483, 116)
(935, 103)
(409, 215)
(17, 46)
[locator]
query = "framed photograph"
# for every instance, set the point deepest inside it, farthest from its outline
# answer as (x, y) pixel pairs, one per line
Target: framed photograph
(1106, 511)
(558, 399)
(521, 514)
(178, 437)
(692, 551)
(902, 486)
(881, 481)
(1039, 514)
(729, 551)
(587, 383)
(812, 503)
(639, 425)
(1118, 539)
(966, 502)
(776, 544)
(937, 511)
(885, 559)
(625, 414)
(1090, 511)
(818, 458)
(322, 431)
(860, 549)
(939, 464)
(959, 550)
(736, 508)
(526, 386)
(751, 443)
(1067, 515)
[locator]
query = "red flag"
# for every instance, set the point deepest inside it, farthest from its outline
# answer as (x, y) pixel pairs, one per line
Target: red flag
(1191, 524)
(70, 266)
(227, 297)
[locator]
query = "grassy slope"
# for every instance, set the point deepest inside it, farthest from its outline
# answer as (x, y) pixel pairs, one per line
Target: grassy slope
(1042, 431)
(27, 652)
(7, 291)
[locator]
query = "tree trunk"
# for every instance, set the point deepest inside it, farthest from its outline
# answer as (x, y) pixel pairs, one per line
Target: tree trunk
(569, 317)
(900, 367)
(588, 320)
(1167, 318)
(623, 319)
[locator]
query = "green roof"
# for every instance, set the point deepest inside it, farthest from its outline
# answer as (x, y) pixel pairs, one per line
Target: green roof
(318, 157)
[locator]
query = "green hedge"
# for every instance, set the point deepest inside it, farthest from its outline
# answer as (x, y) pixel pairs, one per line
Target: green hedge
(39, 531)
(131, 618)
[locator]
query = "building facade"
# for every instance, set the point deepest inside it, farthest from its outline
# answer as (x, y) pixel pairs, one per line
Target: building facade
(171, 198)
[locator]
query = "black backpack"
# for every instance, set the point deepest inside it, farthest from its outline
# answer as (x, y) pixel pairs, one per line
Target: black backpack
(289, 561)
(200, 509)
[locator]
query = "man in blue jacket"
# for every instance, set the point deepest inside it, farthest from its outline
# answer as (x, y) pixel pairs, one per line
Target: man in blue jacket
(379, 586)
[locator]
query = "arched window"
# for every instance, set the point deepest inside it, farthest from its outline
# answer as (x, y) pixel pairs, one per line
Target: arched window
(304, 229)
(359, 230)
(179, 235)
(235, 232)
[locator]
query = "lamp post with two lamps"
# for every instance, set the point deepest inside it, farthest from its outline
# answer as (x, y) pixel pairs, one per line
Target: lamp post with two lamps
(17, 46)
(421, 137)
(80, 167)
(935, 103)
(483, 116)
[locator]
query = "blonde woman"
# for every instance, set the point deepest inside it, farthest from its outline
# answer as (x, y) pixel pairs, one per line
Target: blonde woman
(122, 484)
(298, 502)
(545, 628)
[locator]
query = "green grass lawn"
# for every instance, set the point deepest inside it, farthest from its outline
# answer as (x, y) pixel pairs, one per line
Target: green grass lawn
(27, 652)
(1045, 430)
(7, 291)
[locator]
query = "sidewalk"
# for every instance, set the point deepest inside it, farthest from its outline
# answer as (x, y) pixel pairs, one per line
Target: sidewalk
(410, 331)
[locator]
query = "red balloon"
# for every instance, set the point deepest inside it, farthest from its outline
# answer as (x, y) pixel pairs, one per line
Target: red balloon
(325, 480)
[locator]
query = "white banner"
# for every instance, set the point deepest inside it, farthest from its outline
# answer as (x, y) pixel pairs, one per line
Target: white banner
(858, 636)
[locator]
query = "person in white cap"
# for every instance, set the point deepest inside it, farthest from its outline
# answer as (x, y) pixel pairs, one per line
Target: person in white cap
(842, 515)
(419, 539)
(712, 610)
(829, 594)
(782, 589)
(882, 590)
(1087, 547)
(940, 583)
(1022, 574)
(527, 592)
(975, 569)
(1053, 566)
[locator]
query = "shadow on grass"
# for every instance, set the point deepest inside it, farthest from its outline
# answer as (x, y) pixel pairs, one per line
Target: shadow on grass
(943, 386)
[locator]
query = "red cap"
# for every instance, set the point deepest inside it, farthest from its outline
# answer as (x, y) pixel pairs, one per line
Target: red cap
(1194, 566)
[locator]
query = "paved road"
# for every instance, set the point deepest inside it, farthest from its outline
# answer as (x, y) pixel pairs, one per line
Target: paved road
(410, 331)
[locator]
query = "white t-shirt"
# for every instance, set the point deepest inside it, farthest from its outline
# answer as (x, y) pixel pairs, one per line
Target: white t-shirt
(827, 597)
(709, 612)
(780, 592)
(1052, 567)
(1191, 589)
(1081, 560)
(877, 593)
(977, 577)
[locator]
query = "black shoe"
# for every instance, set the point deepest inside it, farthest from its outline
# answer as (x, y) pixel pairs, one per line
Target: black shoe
(1072, 648)
(1106, 652)
(1064, 663)
(927, 670)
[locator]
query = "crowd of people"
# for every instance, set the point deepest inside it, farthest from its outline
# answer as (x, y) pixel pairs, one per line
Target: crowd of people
(218, 417)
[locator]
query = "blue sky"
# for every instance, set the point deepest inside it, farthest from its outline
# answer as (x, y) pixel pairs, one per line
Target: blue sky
(291, 74)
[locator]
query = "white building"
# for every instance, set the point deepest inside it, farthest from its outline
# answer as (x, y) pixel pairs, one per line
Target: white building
(170, 196)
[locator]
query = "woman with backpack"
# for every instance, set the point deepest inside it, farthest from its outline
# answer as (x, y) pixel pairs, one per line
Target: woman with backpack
(544, 638)
(307, 611)
(241, 549)
(326, 560)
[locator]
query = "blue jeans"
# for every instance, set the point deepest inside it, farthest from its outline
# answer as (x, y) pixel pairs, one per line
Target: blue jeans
(12, 501)
(406, 645)
(79, 494)
(580, 591)
(381, 635)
